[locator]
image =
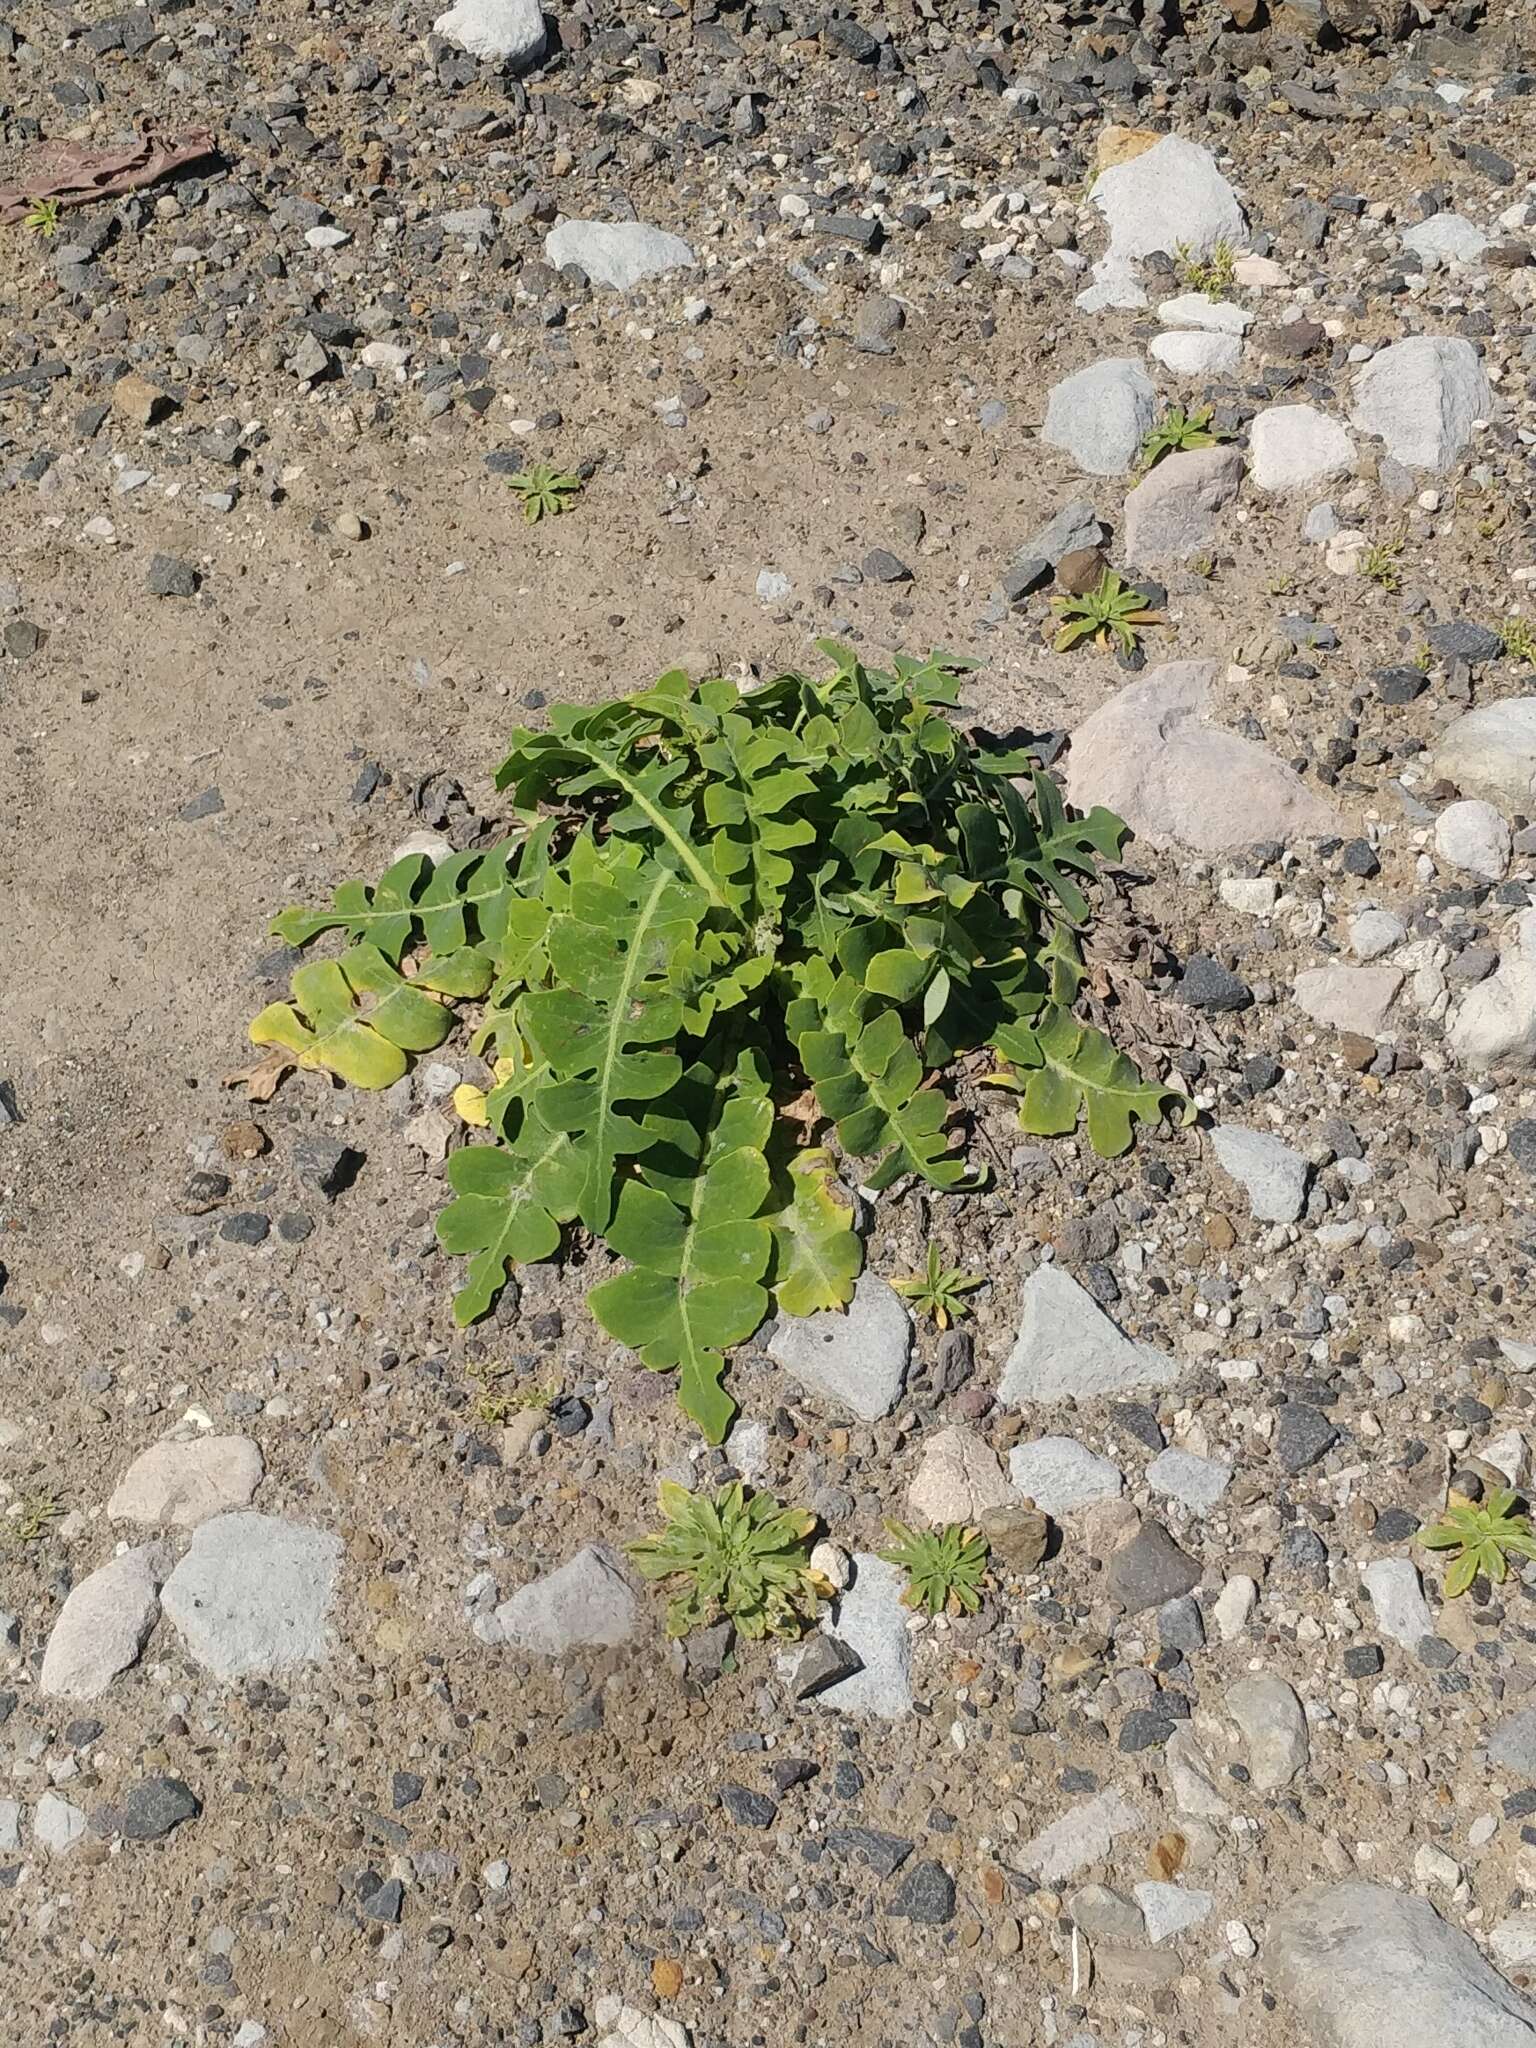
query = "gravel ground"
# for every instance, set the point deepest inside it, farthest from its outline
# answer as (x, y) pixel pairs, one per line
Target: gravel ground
(297, 1745)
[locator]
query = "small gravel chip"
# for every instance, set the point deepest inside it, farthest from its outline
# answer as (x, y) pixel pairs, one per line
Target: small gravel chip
(1143, 1728)
(405, 1789)
(1436, 1654)
(1207, 985)
(1302, 1436)
(881, 566)
(157, 1805)
(1522, 1145)
(884, 1853)
(789, 1771)
(22, 639)
(326, 1162)
(1363, 1660)
(206, 805)
(1462, 640)
(171, 577)
(1359, 858)
(385, 1903)
(1180, 1625)
(927, 1896)
(295, 1226)
(747, 1808)
(1400, 685)
(249, 1226)
(1395, 1525)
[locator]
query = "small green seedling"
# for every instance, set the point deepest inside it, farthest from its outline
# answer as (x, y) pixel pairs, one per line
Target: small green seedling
(545, 491)
(945, 1568)
(1211, 274)
(1108, 613)
(31, 1517)
(939, 1290)
(742, 1558)
(1484, 1535)
(42, 218)
(498, 1398)
(1178, 430)
(1518, 636)
(1381, 564)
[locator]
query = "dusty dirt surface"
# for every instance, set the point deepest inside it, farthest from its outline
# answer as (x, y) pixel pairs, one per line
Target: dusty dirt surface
(420, 1835)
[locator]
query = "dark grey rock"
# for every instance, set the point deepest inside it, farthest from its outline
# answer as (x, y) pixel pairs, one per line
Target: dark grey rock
(747, 1808)
(384, 1904)
(884, 1853)
(1302, 1436)
(1151, 1570)
(926, 1896)
(208, 804)
(824, 1661)
(171, 577)
(1207, 985)
(326, 1163)
(1461, 640)
(155, 1806)
(881, 566)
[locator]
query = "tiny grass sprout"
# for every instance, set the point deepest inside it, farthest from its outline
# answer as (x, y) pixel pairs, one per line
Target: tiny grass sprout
(742, 1557)
(1108, 614)
(946, 1568)
(545, 492)
(938, 1291)
(1178, 430)
(1484, 1535)
(42, 218)
(1210, 274)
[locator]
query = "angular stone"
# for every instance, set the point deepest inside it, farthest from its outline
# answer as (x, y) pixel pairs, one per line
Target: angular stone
(872, 1621)
(56, 1825)
(1513, 1941)
(1067, 1346)
(855, 1358)
(958, 1479)
(822, 1661)
(1172, 1909)
(1359, 1964)
(1072, 530)
(1495, 1021)
(1512, 1744)
(1059, 1474)
(254, 1593)
(1273, 1726)
(1083, 1835)
(1150, 1570)
(1423, 397)
(1196, 1483)
(1472, 836)
(625, 2026)
(1293, 447)
(587, 1603)
(1188, 353)
(1101, 415)
(1348, 998)
(926, 1896)
(872, 1847)
(156, 1806)
(1446, 238)
(1209, 316)
(1168, 197)
(183, 1484)
(1150, 756)
(1271, 1175)
(103, 1625)
(618, 254)
(1018, 1536)
(1491, 752)
(1171, 514)
(1191, 1777)
(1106, 1915)
(1397, 1600)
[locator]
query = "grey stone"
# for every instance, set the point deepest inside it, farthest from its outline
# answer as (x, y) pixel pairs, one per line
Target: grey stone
(1070, 531)
(1067, 1346)
(185, 1483)
(1512, 1744)
(1206, 985)
(1423, 397)
(1491, 752)
(1189, 354)
(926, 1896)
(1397, 1600)
(958, 1479)
(1374, 932)
(1171, 513)
(1059, 1474)
(103, 1625)
(619, 254)
(1495, 1021)
(588, 1603)
(1191, 1777)
(1273, 1177)
(1170, 196)
(1357, 1964)
(56, 1825)
(254, 1593)
(1446, 238)
(1150, 1570)
(1348, 998)
(507, 32)
(1180, 1625)
(1151, 757)
(1472, 836)
(822, 1661)
(169, 577)
(855, 1358)
(882, 1853)
(1101, 415)
(155, 1806)
(747, 1808)
(1083, 1835)
(872, 1621)
(1171, 1909)
(1292, 447)
(1270, 1719)
(10, 1826)
(1106, 1915)
(1195, 1483)
(1302, 1436)
(879, 322)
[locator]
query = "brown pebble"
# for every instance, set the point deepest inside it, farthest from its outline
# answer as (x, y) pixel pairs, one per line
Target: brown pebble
(1219, 1234)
